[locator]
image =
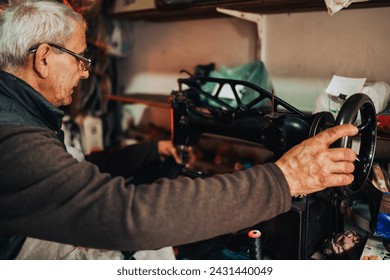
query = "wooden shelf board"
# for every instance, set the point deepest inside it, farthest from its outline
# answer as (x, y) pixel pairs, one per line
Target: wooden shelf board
(155, 100)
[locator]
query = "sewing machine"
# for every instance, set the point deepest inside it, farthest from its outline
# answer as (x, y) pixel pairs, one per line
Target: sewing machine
(244, 111)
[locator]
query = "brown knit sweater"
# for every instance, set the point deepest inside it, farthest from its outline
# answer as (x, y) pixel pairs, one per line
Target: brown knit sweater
(47, 194)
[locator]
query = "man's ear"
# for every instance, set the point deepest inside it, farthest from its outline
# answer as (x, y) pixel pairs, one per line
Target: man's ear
(41, 59)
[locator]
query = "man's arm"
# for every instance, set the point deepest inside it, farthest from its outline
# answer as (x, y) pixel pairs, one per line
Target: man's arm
(126, 161)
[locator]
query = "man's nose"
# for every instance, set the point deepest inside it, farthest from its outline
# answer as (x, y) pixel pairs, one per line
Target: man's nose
(84, 74)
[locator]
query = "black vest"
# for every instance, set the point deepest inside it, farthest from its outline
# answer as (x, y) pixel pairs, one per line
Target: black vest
(21, 105)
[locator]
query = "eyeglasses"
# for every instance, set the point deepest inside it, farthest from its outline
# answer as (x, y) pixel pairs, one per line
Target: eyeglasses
(84, 62)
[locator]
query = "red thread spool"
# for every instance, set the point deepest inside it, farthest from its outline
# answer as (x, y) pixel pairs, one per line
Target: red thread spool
(255, 245)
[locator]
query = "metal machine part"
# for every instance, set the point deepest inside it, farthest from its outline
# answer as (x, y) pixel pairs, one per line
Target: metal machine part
(242, 110)
(359, 104)
(252, 114)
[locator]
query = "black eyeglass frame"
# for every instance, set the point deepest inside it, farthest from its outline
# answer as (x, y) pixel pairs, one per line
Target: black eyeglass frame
(86, 61)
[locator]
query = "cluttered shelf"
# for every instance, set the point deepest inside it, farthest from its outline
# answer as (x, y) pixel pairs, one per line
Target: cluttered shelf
(155, 100)
(383, 136)
(382, 152)
(170, 10)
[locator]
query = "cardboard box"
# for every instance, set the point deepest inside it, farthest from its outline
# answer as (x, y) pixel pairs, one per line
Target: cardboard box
(122, 6)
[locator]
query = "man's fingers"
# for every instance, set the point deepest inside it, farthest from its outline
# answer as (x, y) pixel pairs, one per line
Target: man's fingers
(332, 134)
(338, 154)
(342, 167)
(175, 155)
(339, 180)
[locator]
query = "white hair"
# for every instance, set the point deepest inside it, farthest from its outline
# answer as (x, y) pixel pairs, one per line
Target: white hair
(31, 22)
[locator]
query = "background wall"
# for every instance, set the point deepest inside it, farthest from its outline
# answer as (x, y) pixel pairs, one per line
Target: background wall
(301, 51)
(163, 49)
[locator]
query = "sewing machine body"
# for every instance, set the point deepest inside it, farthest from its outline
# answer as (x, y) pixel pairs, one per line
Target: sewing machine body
(240, 110)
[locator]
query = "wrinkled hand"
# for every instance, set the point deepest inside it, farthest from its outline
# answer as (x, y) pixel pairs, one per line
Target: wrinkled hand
(167, 149)
(312, 166)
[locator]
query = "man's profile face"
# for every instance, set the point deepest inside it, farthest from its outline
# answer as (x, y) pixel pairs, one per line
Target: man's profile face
(65, 70)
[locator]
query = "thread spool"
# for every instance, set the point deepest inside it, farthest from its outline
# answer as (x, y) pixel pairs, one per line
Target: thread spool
(255, 245)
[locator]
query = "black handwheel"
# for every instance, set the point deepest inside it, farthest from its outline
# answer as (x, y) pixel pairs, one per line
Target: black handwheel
(321, 121)
(355, 104)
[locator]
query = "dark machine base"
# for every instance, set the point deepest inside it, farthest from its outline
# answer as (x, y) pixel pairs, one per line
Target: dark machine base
(297, 234)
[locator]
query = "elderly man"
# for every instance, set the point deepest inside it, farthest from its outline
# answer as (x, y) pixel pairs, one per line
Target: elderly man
(46, 194)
